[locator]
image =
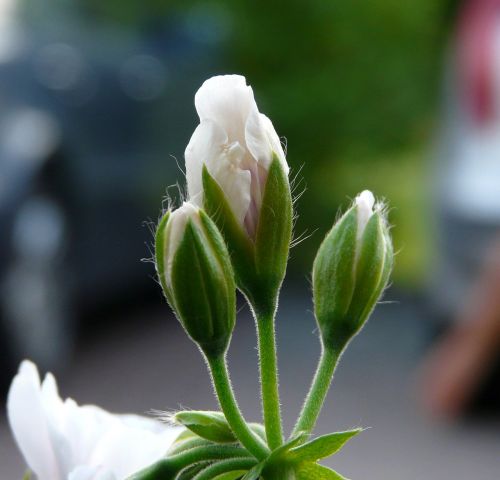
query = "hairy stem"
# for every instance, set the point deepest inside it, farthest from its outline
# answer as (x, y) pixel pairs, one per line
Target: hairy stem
(318, 391)
(229, 405)
(269, 379)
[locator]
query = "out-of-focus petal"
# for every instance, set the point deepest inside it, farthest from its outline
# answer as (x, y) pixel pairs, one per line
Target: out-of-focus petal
(91, 473)
(124, 450)
(26, 414)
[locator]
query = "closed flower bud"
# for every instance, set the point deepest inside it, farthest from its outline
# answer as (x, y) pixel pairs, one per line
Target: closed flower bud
(236, 169)
(351, 270)
(195, 272)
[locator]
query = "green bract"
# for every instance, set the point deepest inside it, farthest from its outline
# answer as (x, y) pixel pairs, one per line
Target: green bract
(350, 272)
(196, 275)
(209, 425)
(259, 263)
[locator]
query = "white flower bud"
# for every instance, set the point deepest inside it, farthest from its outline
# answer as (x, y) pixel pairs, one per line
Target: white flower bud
(196, 275)
(237, 171)
(237, 145)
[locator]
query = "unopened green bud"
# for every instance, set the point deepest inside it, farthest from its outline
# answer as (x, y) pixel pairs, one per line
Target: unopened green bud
(195, 272)
(351, 270)
(211, 426)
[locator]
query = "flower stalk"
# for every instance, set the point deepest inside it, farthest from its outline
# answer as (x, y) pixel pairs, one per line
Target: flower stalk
(229, 405)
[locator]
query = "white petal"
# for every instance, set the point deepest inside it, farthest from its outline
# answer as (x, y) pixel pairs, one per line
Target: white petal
(55, 415)
(233, 179)
(124, 450)
(207, 141)
(227, 100)
(262, 140)
(224, 161)
(25, 411)
(364, 201)
(91, 473)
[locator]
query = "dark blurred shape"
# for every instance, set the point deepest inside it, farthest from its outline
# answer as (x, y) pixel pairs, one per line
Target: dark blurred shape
(90, 110)
(461, 373)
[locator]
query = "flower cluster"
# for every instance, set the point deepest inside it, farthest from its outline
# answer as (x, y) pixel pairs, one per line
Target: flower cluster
(233, 232)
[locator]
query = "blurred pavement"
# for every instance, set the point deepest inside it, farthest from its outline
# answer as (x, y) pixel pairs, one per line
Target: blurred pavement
(148, 363)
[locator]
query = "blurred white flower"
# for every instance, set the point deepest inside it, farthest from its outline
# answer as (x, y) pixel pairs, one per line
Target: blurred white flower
(236, 143)
(61, 440)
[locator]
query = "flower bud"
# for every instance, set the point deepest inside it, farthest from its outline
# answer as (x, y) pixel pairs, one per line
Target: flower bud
(236, 169)
(195, 272)
(351, 270)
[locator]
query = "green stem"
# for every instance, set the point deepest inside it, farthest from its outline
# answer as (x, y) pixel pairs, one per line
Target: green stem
(318, 391)
(269, 379)
(227, 400)
(225, 466)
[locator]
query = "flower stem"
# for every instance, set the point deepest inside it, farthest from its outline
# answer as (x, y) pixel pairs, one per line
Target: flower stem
(229, 405)
(318, 391)
(269, 379)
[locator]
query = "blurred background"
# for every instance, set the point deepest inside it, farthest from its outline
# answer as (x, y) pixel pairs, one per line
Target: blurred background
(96, 108)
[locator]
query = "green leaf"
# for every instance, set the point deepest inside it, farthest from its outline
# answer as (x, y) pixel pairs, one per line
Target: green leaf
(255, 472)
(236, 475)
(212, 426)
(322, 447)
(191, 442)
(27, 475)
(190, 472)
(231, 465)
(313, 471)
(281, 452)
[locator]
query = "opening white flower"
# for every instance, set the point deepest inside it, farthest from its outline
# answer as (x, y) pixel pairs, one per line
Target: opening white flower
(236, 143)
(61, 440)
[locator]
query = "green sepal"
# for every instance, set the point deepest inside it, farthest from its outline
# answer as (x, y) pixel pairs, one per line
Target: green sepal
(277, 464)
(160, 256)
(27, 475)
(273, 236)
(334, 282)
(240, 246)
(321, 447)
(184, 435)
(259, 264)
(211, 426)
(203, 287)
(313, 471)
(371, 272)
